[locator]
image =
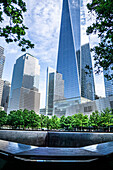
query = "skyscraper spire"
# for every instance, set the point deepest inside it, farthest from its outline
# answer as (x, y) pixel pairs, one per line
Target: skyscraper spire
(72, 57)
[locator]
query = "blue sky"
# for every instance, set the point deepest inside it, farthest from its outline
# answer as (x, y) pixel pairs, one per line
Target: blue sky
(43, 20)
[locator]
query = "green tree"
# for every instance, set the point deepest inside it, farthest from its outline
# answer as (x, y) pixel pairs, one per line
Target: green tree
(42, 121)
(12, 118)
(15, 119)
(34, 120)
(103, 53)
(85, 121)
(74, 121)
(77, 121)
(106, 118)
(80, 120)
(95, 119)
(62, 122)
(19, 116)
(54, 122)
(48, 122)
(15, 30)
(68, 122)
(26, 118)
(3, 118)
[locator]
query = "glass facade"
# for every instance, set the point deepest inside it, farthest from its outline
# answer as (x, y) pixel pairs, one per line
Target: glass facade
(72, 56)
(5, 95)
(54, 89)
(69, 108)
(87, 80)
(50, 90)
(59, 87)
(25, 84)
(67, 63)
(2, 60)
(108, 84)
(1, 90)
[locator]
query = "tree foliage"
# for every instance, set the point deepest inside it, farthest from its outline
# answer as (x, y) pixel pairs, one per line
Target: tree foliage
(94, 120)
(106, 118)
(3, 118)
(29, 119)
(15, 30)
(75, 121)
(103, 52)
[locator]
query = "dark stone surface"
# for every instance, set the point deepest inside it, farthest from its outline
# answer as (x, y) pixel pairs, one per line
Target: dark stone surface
(36, 138)
(60, 153)
(92, 151)
(77, 139)
(46, 153)
(103, 148)
(55, 139)
(14, 148)
(27, 153)
(20, 156)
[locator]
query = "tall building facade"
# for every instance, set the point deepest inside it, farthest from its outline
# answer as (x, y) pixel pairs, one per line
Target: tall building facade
(1, 90)
(2, 61)
(108, 84)
(54, 89)
(50, 81)
(72, 56)
(87, 80)
(59, 87)
(86, 108)
(5, 95)
(24, 92)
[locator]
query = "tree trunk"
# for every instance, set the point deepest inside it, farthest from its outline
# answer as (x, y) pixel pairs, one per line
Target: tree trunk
(109, 129)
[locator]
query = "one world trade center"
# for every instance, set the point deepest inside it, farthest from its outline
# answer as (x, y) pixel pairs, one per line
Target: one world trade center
(73, 56)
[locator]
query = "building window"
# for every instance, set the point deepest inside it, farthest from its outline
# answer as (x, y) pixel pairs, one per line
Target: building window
(88, 109)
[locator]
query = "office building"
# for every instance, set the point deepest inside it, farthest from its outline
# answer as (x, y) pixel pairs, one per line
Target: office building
(86, 108)
(24, 92)
(50, 81)
(43, 111)
(87, 80)
(108, 87)
(108, 83)
(59, 87)
(1, 90)
(2, 61)
(54, 89)
(72, 56)
(5, 95)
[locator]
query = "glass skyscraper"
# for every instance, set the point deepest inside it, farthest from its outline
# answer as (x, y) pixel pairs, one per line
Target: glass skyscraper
(87, 80)
(72, 56)
(2, 61)
(108, 84)
(54, 89)
(50, 90)
(24, 92)
(5, 95)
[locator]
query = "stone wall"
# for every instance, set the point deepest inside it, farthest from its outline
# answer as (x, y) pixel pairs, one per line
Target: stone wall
(36, 138)
(55, 139)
